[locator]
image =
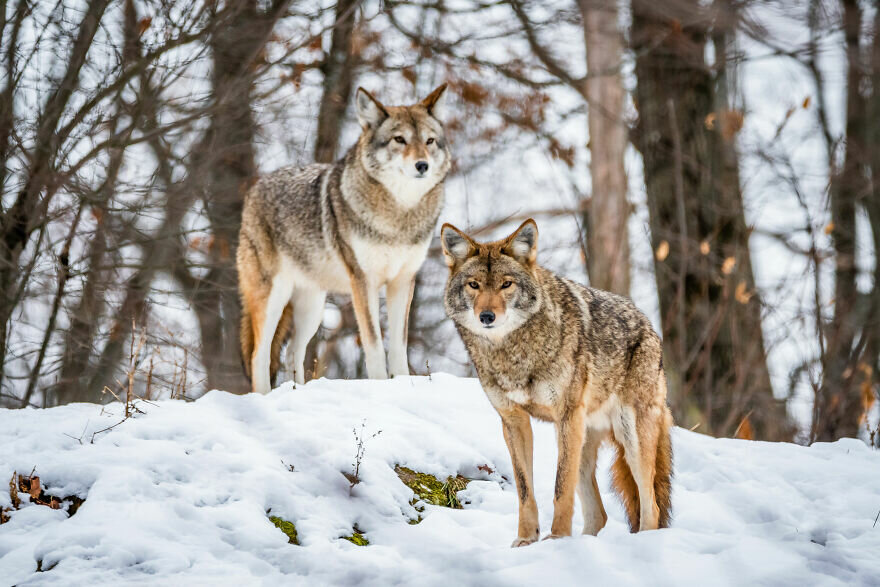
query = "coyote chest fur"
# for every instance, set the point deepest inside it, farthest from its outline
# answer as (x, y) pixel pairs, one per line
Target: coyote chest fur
(585, 359)
(352, 227)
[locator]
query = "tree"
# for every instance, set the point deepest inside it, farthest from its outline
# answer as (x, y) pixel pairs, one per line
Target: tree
(607, 215)
(711, 313)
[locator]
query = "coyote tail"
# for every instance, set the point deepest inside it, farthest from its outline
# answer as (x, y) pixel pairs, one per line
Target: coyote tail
(625, 485)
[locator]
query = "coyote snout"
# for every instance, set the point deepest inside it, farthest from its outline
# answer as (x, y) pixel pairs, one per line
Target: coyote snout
(585, 359)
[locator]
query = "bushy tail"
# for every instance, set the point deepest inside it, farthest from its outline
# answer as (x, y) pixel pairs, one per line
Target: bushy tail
(663, 471)
(247, 341)
(281, 334)
(246, 337)
(626, 488)
(625, 484)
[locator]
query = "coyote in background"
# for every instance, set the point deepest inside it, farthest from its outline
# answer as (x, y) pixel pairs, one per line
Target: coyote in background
(585, 359)
(351, 227)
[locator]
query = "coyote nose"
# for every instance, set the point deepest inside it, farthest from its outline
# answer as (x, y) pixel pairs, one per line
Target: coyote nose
(487, 317)
(421, 166)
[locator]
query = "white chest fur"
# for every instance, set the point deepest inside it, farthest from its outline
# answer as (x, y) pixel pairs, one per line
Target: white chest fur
(407, 191)
(383, 262)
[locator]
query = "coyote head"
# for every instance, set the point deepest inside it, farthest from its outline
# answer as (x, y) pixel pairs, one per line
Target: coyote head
(492, 289)
(403, 147)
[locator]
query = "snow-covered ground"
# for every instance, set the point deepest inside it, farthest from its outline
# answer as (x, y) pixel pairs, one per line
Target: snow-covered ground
(179, 496)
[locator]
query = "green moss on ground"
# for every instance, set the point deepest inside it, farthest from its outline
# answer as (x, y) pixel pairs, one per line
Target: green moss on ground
(357, 537)
(287, 527)
(430, 489)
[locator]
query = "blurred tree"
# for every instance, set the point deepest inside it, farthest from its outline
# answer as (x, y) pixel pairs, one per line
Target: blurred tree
(711, 313)
(852, 336)
(609, 210)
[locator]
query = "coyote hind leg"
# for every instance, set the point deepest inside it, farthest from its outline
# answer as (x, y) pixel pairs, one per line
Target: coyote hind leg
(588, 490)
(265, 316)
(637, 433)
(308, 311)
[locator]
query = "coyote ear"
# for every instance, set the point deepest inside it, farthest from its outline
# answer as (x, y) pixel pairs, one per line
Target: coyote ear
(522, 245)
(370, 111)
(434, 102)
(457, 246)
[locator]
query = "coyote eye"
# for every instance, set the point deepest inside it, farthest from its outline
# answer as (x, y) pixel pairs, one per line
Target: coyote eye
(429, 141)
(400, 139)
(473, 285)
(506, 284)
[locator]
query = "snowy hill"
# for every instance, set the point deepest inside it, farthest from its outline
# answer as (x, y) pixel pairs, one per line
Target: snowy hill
(182, 494)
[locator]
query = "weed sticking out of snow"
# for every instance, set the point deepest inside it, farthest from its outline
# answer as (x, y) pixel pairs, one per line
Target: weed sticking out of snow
(357, 537)
(288, 528)
(430, 489)
(29, 488)
(361, 445)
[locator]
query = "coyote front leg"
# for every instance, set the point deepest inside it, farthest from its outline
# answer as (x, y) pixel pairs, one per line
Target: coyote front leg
(518, 436)
(570, 434)
(399, 298)
(365, 297)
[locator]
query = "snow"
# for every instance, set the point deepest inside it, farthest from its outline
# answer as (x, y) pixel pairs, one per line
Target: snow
(179, 495)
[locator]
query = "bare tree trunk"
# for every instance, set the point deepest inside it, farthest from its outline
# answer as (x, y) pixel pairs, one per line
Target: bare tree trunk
(838, 403)
(26, 213)
(227, 168)
(714, 351)
(338, 69)
(607, 243)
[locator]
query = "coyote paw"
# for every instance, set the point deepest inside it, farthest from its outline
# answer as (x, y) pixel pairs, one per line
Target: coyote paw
(523, 541)
(554, 536)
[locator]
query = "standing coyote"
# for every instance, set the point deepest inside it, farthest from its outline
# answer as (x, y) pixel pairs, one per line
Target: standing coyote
(583, 358)
(351, 227)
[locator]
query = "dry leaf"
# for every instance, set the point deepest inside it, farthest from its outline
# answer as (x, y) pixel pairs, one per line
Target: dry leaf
(731, 123)
(143, 25)
(744, 431)
(710, 121)
(13, 491)
(705, 248)
(34, 489)
(829, 228)
(728, 265)
(806, 103)
(742, 294)
(409, 74)
(662, 251)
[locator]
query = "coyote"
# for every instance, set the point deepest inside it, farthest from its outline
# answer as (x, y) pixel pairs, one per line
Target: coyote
(350, 227)
(585, 359)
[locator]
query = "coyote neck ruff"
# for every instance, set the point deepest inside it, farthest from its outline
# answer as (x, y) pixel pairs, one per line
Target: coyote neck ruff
(585, 359)
(351, 227)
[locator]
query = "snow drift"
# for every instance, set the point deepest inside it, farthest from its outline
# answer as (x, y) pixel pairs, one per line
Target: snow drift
(182, 494)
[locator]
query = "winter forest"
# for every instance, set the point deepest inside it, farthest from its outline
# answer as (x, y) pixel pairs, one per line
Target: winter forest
(714, 161)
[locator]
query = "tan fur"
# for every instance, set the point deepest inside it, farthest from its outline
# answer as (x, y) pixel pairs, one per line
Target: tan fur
(626, 488)
(353, 227)
(584, 359)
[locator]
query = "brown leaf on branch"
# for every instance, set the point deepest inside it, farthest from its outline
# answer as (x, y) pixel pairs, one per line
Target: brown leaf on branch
(742, 294)
(662, 251)
(143, 25)
(728, 265)
(731, 123)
